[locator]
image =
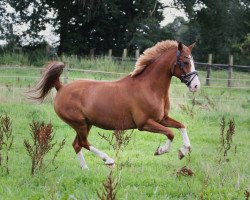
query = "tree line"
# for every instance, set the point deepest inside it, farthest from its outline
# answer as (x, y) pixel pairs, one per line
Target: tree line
(218, 27)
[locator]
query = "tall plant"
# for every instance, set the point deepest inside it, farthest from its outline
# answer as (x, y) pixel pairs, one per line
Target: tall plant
(6, 141)
(226, 137)
(42, 136)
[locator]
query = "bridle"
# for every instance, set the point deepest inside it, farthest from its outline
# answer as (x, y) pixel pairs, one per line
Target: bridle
(186, 78)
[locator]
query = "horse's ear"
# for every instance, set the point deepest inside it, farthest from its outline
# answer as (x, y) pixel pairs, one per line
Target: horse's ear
(180, 46)
(191, 46)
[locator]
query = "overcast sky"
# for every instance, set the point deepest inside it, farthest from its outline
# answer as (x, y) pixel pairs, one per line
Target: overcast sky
(171, 13)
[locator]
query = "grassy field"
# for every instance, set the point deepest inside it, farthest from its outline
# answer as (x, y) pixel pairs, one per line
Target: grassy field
(141, 175)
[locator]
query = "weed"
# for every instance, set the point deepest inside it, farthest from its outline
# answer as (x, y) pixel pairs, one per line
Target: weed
(6, 140)
(42, 136)
(118, 140)
(122, 139)
(204, 186)
(184, 171)
(109, 189)
(190, 109)
(247, 194)
(226, 137)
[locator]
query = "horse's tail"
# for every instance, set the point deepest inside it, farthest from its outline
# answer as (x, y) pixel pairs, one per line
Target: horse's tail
(49, 80)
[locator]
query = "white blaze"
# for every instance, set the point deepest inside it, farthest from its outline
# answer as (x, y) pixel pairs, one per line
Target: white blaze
(195, 84)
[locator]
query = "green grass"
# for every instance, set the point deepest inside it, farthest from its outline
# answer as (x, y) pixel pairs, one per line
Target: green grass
(38, 58)
(143, 176)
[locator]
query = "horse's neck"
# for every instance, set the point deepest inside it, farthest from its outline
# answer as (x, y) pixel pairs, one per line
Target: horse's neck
(159, 75)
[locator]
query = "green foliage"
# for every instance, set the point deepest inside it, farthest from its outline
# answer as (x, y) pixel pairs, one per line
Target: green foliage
(6, 141)
(226, 137)
(242, 50)
(42, 136)
(143, 176)
(217, 25)
(83, 25)
(109, 191)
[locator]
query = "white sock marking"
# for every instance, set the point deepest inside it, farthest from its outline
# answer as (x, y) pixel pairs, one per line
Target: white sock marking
(83, 163)
(102, 155)
(166, 148)
(185, 138)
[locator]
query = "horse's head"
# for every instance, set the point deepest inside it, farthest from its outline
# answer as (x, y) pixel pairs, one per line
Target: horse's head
(184, 67)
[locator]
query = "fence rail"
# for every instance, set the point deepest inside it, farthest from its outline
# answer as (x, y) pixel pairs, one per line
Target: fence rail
(205, 72)
(14, 81)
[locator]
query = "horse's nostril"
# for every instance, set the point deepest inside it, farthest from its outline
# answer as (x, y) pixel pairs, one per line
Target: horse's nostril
(195, 86)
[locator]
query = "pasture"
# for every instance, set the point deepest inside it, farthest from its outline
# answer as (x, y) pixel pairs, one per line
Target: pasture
(139, 173)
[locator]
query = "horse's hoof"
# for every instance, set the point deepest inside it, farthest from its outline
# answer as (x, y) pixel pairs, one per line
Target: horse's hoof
(112, 165)
(180, 155)
(110, 162)
(85, 168)
(184, 151)
(157, 152)
(160, 151)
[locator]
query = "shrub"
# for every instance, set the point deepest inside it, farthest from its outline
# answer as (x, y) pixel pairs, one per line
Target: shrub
(226, 137)
(109, 190)
(6, 140)
(42, 142)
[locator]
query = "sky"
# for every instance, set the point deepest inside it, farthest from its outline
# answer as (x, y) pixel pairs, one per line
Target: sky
(169, 15)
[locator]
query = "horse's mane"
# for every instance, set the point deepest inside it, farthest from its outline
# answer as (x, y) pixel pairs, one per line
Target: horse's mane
(150, 54)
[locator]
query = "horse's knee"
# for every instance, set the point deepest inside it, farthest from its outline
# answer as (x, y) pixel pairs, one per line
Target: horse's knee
(170, 136)
(86, 145)
(76, 147)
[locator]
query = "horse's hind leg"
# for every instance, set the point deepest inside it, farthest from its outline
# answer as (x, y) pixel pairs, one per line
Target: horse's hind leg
(81, 141)
(108, 161)
(169, 122)
(155, 127)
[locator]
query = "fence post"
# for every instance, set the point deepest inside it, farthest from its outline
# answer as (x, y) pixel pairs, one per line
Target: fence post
(210, 58)
(65, 74)
(124, 55)
(92, 53)
(230, 70)
(137, 53)
(110, 53)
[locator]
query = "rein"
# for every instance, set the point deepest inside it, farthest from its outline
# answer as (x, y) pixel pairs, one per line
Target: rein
(185, 78)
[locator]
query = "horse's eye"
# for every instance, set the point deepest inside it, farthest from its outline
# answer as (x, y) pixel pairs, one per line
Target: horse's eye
(185, 63)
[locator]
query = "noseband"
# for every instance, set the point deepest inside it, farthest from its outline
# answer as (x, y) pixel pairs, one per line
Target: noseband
(185, 78)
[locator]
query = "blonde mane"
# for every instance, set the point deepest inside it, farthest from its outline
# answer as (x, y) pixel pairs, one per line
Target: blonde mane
(150, 54)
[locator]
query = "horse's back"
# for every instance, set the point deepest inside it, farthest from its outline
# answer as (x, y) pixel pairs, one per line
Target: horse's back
(102, 103)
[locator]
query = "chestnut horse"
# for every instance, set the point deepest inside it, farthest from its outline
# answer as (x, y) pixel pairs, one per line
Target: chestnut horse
(137, 101)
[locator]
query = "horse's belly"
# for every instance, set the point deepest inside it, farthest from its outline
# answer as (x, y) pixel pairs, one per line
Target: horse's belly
(113, 123)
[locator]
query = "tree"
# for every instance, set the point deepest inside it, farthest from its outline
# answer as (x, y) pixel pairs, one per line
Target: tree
(86, 24)
(7, 19)
(218, 24)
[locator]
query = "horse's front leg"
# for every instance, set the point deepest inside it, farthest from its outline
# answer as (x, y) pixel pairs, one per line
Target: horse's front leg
(153, 126)
(169, 122)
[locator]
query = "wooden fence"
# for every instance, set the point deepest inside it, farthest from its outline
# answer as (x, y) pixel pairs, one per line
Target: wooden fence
(205, 70)
(226, 67)
(209, 65)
